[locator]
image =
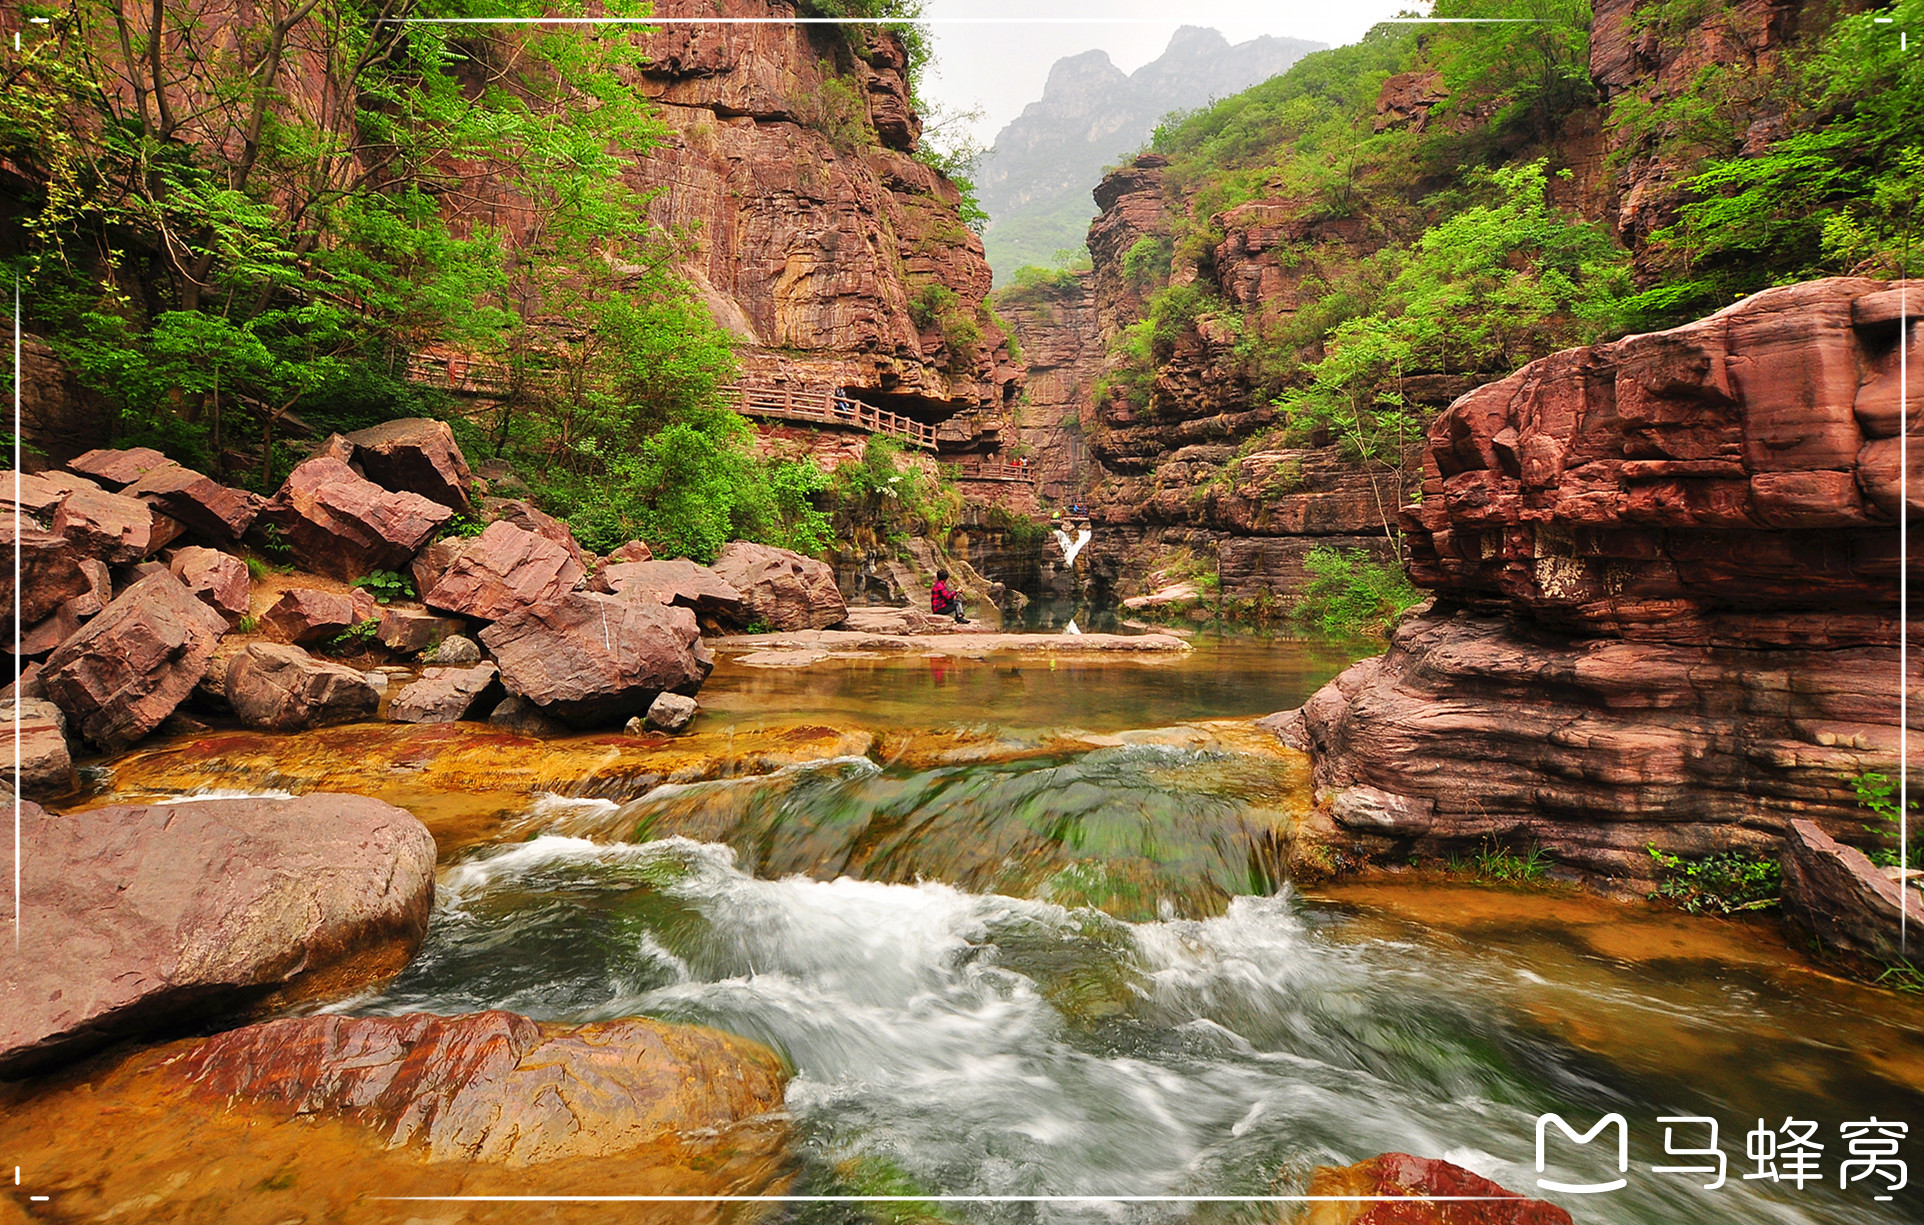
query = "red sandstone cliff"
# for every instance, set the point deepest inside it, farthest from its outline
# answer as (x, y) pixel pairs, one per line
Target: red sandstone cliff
(1667, 605)
(808, 252)
(1163, 476)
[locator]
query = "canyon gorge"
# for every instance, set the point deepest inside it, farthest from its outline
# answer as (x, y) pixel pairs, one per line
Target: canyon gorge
(503, 751)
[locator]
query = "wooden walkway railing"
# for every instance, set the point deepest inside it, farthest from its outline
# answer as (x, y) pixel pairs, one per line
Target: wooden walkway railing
(828, 408)
(994, 470)
(466, 376)
(461, 375)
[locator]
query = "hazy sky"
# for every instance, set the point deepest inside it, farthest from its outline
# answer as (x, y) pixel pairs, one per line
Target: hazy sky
(1001, 68)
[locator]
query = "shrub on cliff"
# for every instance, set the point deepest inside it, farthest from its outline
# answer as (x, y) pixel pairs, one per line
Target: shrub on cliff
(1505, 278)
(1835, 190)
(1350, 594)
(220, 234)
(693, 486)
(880, 497)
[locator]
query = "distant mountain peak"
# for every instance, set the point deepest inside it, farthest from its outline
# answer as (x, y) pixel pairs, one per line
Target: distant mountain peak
(1190, 39)
(1035, 181)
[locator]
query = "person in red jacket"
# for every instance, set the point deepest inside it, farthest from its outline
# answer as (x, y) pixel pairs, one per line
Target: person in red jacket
(945, 600)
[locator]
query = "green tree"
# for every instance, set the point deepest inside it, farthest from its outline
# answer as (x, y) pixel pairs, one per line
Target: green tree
(1838, 192)
(1490, 287)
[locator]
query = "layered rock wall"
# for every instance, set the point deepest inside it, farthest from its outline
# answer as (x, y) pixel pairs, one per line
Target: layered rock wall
(1159, 468)
(1667, 607)
(807, 245)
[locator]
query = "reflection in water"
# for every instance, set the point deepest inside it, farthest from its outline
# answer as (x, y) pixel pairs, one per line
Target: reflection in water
(1218, 679)
(990, 1044)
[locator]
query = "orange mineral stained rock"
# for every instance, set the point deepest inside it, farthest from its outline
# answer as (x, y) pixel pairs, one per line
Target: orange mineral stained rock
(334, 1118)
(137, 918)
(1400, 1174)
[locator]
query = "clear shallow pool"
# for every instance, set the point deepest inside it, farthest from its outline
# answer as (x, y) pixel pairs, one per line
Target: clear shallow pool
(1219, 678)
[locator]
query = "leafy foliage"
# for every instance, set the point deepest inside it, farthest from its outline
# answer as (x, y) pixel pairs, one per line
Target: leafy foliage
(1348, 593)
(385, 586)
(1726, 883)
(836, 109)
(1878, 794)
(1492, 862)
(1836, 192)
(880, 492)
(1497, 282)
(355, 637)
(288, 241)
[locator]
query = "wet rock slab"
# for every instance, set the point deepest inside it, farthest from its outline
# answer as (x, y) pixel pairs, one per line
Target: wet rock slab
(1399, 1175)
(136, 917)
(494, 1086)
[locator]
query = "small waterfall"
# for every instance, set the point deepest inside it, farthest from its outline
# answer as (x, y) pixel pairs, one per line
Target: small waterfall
(1072, 547)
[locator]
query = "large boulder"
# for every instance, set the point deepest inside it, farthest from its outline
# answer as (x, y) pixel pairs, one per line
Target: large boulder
(203, 504)
(305, 616)
(594, 658)
(525, 718)
(781, 588)
(1672, 485)
(109, 526)
(39, 493)
(671, 712)
(118, 469)
(671, 582)
(417, 455)
(50, 572)
(136, 918)
(44, 635)
(504, 569)
(219, 580)
(1398, 1189)
(634, 550)
(531, 519)
(494, 1086)
(129, 667)
(1667, 606)
(409, 631)
(457, 649)
(345, 525)
(1837, 893)
(46, 763)
(444, 695)
(283, 689)
(432, 562)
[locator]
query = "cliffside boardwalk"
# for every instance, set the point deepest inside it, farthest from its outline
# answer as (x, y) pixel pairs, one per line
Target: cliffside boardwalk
(829, 407)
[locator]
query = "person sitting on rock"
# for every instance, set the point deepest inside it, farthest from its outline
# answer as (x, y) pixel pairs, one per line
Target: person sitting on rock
(944, 599)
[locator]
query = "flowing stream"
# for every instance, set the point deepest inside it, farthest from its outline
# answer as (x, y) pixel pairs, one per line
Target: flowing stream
(1019, 930)
(1072, 975)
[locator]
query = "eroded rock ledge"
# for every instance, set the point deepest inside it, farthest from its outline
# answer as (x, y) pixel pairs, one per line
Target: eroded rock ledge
(1666, 579)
